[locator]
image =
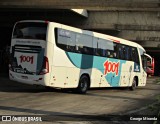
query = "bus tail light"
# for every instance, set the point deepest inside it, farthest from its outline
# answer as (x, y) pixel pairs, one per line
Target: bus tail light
(45, 67)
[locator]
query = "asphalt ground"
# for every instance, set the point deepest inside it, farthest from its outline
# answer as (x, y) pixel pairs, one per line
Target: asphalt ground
(98, 105)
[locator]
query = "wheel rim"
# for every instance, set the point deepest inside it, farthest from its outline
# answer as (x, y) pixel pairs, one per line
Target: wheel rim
(84, 85)
(134, 83)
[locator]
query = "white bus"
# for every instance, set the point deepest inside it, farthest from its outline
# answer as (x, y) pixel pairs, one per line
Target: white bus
(56, 55)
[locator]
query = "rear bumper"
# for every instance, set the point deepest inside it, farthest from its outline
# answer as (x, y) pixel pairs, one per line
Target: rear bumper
(27, 79)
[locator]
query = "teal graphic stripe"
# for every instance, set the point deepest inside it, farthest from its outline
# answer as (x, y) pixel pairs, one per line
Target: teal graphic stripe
(84, 61)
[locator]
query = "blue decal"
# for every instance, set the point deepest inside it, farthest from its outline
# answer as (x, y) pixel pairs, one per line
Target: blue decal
(136, 67)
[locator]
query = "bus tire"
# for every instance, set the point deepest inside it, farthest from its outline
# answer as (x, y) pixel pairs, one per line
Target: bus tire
(83, 84)
(134, 84)
(48, 88)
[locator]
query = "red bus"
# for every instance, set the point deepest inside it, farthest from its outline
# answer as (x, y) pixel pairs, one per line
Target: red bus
(150, 65)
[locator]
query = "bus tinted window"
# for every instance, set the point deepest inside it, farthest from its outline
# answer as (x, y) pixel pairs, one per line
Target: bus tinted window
(121, 52)
(30, 30)
(74, 42)
(95, 46)
(115, 53)
(71, 42)
(103, 47)
(127, 55)
(134, 55)
(66, 40)
(109, 48)
(84, 43)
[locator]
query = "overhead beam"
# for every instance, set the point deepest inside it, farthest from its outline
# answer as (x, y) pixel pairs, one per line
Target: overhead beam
(82, 4)
(148, 21)
(81, 12)
(145, 38)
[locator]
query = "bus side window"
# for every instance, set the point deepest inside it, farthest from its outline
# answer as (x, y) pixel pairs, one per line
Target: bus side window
(111, 54)
(121, 52)
(84, 43)
(130, 54)
(135, 56)
(96, 48)
(124, 52)
(102, 44)
(127, 52)
(61, 39)
(71, 42)
(65, 39)
(115, 52)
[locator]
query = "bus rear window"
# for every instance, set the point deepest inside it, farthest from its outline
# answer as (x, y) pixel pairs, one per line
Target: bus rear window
(30, 30)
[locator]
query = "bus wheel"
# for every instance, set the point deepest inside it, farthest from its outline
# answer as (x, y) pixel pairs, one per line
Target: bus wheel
(83, 85)
(133, 87)
(48, 88)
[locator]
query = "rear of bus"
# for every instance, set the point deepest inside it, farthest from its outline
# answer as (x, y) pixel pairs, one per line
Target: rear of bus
(150, 65)
(28, 57)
